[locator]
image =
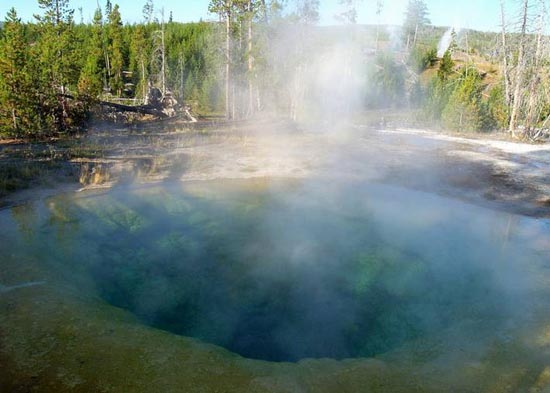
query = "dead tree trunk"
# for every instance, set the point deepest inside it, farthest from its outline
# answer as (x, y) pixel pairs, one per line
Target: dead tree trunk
(506, 71)
(250, 62)
(163, 71)
(532, 114)
(520, 71)
(228, 103)
(143, 84)
(159, 57)
(144, 110)
(14, 118)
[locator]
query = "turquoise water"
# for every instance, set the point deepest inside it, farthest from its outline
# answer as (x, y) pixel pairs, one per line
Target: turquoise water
(282, 271)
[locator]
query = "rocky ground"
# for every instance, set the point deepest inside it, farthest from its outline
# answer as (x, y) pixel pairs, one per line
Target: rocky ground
(508, 175)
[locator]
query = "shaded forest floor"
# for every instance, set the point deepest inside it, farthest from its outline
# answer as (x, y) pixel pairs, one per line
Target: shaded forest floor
(483, 169)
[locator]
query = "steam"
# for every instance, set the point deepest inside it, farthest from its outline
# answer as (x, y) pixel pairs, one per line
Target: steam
(446, 40)
(395, 37)
(323, 71)
(312, 256)
(325, 266)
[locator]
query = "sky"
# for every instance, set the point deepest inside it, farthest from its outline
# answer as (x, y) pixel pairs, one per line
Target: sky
(474, 14)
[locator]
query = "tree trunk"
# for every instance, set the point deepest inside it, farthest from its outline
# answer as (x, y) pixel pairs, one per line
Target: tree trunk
(228, 106)
(163, 76)
(108, 65)
(14, 117)
(535, 77)
(505, 56)
(145, 110)
(520, 70)
(182, 77)
(258, 99)
(250, 63)
(144, 85)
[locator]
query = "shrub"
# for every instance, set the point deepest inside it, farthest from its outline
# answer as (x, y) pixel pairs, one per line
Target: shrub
(387, 78)
(446, 66)
(464, 110)
(497, 109)
(436, 98)
(420, 59)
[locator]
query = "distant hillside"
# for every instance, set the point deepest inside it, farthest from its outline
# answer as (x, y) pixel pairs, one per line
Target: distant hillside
(478, 43)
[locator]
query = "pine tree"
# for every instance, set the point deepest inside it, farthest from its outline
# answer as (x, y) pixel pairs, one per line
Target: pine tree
(148, 11)
(115, 48)
(349, 13)
(436, 98)
(108, 7)
(90, 83)
(388, 82)
(56, 41)
(16, 98)
(463, 112)
(57, 67)
(453, 46)
(416, 17)
(446, 66)
(56, 12)
(139, 55)
(497, 108)
(308, 11)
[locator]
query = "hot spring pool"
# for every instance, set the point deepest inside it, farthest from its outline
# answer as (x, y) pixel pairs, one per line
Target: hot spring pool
(288, 270)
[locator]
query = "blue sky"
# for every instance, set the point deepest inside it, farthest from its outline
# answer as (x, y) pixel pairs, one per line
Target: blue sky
(477, 14)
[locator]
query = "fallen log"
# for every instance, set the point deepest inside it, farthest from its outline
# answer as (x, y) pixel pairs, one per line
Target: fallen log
(143, 109)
